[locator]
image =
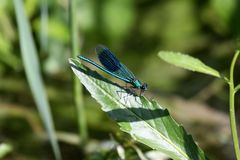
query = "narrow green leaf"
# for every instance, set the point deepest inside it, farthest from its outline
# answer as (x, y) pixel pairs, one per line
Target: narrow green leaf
(31, 65)
(187, 62)
(146, 121)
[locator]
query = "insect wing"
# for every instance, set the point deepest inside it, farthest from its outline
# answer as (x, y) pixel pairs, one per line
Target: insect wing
(111, 63)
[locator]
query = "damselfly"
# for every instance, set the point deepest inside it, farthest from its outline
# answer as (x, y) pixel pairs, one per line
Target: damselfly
(115, 68)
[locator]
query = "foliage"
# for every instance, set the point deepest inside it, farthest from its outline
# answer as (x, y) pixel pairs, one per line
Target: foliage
(194, 64)
(4, 149)
(187, 62)
(135, 31)
(146, 121)
(31, 64)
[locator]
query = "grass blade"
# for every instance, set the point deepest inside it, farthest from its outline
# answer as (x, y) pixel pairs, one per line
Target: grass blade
(78, 95)
(146, 121)
(31, 65)
(44, 26)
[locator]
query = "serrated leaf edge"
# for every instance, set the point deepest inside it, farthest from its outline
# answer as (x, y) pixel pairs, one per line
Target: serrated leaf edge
(117, 102)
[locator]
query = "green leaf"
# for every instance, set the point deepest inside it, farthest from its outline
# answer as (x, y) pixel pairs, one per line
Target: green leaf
(237, 88)
(146, 121)
(187, 62)
(4, 149)
(32, 69)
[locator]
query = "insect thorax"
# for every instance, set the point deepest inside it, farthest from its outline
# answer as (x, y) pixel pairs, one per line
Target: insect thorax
(137, 83)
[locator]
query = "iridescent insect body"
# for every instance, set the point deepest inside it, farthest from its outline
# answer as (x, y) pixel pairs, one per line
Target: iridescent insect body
(115, 68)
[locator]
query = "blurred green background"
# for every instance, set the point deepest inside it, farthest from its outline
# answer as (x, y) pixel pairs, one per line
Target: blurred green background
(135, 30)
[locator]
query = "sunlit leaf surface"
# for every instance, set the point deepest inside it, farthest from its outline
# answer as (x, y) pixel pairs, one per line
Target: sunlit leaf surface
(187, 62)
(146, 121)
(4, 149)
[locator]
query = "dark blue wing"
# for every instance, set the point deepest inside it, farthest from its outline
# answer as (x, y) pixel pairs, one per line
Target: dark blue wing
(107, 59)
(104, 69)
(111, 63)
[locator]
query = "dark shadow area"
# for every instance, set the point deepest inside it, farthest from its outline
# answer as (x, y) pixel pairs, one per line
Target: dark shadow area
(137, 114)
(190, 146)
(91, 73)
(235, 24)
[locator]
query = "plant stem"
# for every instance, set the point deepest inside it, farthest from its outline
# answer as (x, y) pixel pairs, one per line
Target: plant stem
(44, 26)
(232, 107)
(78, 96)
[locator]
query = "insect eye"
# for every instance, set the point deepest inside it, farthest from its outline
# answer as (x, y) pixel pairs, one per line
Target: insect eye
(144, 86)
